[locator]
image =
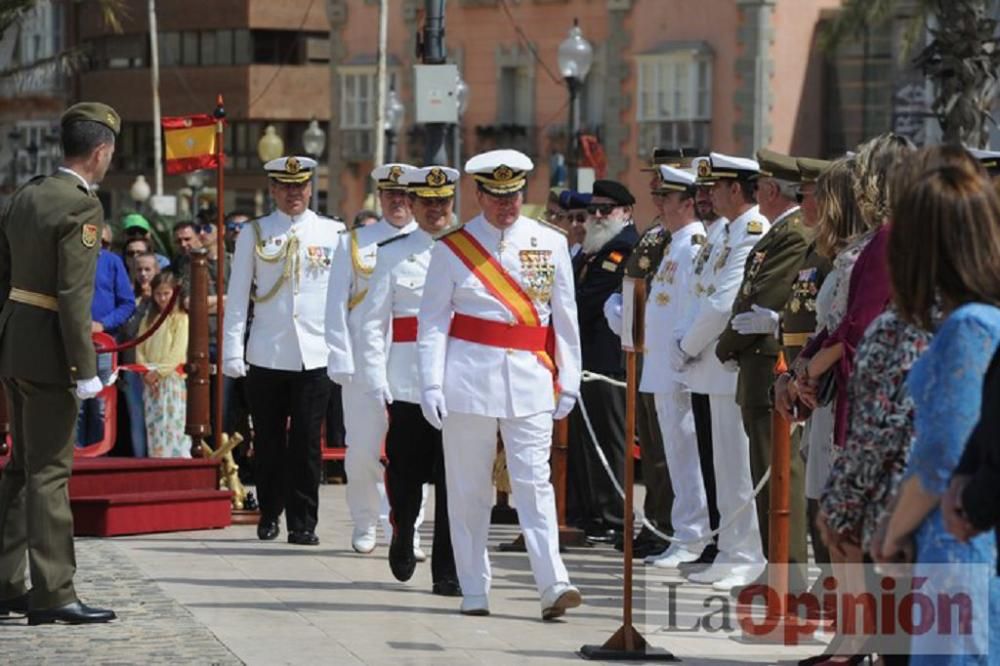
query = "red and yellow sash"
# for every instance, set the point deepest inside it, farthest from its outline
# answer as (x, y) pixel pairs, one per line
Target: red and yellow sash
(505, 289)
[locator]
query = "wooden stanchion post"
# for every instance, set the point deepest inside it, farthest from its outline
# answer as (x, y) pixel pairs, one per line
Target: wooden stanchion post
(779, 512)
(220, 268)
(568, 536)
(198, 366)
(627, 643)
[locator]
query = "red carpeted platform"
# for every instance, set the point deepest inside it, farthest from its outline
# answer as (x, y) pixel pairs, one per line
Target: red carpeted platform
(116, 496)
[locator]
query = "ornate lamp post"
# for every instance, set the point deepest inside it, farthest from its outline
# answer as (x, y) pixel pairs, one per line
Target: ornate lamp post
(314, 143)
(395, 112)
(575, 58)
(269, 147)
(140, 192)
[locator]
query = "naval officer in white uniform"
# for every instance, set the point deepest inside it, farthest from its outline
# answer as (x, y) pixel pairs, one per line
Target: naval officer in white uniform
(499, 347)
(365, 421)
(719, 275)
(387, 353)
(282, 264)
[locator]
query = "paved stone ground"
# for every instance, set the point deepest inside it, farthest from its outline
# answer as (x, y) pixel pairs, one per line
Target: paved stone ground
(153, 628)
(223, 597)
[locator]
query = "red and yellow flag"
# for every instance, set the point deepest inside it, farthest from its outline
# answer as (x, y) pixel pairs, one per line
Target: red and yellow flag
(190, 143)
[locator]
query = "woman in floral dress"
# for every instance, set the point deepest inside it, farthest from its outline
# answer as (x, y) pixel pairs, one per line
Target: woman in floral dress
(165, 393)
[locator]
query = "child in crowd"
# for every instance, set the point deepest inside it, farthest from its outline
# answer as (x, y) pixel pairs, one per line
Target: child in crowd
(165, 392)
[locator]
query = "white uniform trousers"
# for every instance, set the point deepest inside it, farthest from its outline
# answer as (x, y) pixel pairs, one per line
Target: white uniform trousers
(689, 514)
(365, 425)
(469, 450)
(739, 543)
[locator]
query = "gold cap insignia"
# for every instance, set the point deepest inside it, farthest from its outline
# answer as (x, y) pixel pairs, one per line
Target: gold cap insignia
(292, 165)
(503, 173)
(436, 178)
(704, 169)
(394, 173)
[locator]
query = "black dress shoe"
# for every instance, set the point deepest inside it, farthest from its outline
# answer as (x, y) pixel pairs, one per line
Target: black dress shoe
(402, 561)
(73, 613)
(16, 605)
(447, 587)
(646, 548)
(604, 535)
(267, 529)
(303, 538)
(705, 561)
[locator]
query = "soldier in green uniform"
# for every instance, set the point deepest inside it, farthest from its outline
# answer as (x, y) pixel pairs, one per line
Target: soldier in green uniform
(798, 323)
(49, 240)
(767, 280)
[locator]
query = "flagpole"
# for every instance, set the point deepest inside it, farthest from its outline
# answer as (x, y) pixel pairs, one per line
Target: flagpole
(220, 265)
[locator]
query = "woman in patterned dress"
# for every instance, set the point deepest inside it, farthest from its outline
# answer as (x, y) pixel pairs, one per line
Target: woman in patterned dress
(945, 250)
(165, 393)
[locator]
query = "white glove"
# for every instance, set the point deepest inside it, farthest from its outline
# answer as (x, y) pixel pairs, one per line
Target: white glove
(234, 367)
(342, 378)
(432, 405)
(112, 378)
(756, 322)
(382, 394)
(88, 388)
(731, 366)
(565, 405)
(679, 359)
(613, 313)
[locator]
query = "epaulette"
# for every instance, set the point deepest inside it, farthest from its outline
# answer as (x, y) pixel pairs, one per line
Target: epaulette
(698, 239)
(447, 231)
(755, 227)
(551, 226)
(393, 239)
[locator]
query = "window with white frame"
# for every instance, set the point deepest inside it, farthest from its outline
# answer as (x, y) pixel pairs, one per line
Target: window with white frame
(39, 149)
(358, 96)
(674, 106)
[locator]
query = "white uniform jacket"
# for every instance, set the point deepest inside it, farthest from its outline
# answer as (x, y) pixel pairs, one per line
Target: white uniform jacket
(287, 330)
(393, 293)
(353, 265)
(494, 381)
(715, 290)
(670, 299)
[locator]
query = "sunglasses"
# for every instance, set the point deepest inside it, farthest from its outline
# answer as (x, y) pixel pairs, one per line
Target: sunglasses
(601, 209)
(234, 226)
(204, 228)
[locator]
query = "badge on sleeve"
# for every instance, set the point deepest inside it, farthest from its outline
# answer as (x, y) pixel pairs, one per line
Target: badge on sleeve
(88, 235)
(755, 228)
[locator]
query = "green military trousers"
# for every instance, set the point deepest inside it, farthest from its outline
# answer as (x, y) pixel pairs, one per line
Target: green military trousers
(36, 523)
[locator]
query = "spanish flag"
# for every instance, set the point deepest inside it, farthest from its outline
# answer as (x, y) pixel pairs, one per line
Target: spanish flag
(190, 143)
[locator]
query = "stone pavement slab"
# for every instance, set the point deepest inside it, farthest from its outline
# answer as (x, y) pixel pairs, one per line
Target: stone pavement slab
(224, 597)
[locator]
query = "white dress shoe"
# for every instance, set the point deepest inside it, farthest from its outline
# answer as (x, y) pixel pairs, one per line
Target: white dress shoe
(741, 576)
(475, 605)
(718, 571)
(649, 559)
(675, 555)
(558, 598)
(419, 555)
(363, 540)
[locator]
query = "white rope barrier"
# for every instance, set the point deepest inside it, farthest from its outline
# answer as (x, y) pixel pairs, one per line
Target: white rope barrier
(588, 376)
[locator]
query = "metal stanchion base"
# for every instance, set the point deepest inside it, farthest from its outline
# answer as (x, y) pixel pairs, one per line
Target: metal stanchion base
(614, 649)
(244, 517)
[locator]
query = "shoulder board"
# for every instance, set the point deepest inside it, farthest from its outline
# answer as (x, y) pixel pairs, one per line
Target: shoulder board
(551, 226)
(698, 239)
(392, 239)
(755, 227)
(449, 231)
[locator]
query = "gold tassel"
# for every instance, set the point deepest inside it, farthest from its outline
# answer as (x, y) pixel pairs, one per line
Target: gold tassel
(501, 478)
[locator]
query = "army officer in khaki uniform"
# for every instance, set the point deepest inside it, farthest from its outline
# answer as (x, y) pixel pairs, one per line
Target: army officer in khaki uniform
(767, 280)
(49, 240)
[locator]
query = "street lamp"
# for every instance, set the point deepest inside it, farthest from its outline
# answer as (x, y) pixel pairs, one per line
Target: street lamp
(195, 180)
(575, 58)
(140, 192)
(270, 147)
(394, 114)
(462, 101)
(314, 143)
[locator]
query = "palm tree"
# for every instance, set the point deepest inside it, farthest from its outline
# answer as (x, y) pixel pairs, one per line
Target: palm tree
(961, 57)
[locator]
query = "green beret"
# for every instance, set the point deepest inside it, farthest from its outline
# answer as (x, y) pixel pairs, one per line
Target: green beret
(776, 165)
(95, 111)
(811, 168)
